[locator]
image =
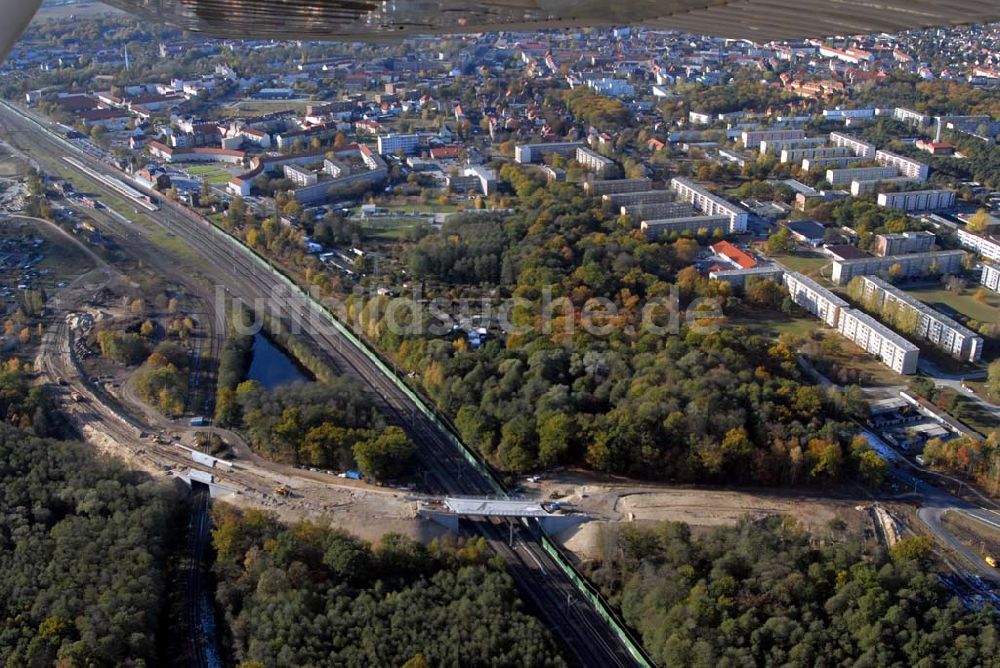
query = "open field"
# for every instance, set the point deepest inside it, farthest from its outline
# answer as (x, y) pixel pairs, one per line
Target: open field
(773, 323)
(975, 416)
(613, 503)
(804, 262)
(964, 304)
(251, 107)
(394, 228)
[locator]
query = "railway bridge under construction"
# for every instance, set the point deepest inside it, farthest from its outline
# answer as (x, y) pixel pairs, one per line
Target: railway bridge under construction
(451, 509)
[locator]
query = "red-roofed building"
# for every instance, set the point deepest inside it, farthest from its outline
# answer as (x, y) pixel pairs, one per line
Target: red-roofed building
(446, 152)
(936, 147)
(734, 254)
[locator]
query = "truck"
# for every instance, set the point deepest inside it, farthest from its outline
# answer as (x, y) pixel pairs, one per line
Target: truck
(352, 475)
(198, 422)
(282, 490)
(991, 561)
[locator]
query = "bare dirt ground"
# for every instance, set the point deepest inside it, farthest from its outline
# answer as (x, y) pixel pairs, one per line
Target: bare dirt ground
(611, 503)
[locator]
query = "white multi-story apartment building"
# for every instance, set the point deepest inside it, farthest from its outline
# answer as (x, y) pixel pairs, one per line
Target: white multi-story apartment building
(391, 143)
(642, 197)
(487, 178)
(809, 164)
(990, 277)
(862, 149)
(738, 277)
(956, 340)
(709, 204)
(595, 162)
(790, 155)
(658, 210)
(753, 138)
(599, 187)
(873, 337)
(814, 298)
(526, 154)
(837, 177)
(985, 246)
(859, 188)
(657, 229)
(913, 264)
(904, 242)
(776, 146)
(299, 176)
(918, 200)
(910, 116)
(906, 166)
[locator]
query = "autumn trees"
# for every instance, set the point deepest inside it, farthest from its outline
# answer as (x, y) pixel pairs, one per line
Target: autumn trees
(766, 593)
(83, 551)
(308, 595)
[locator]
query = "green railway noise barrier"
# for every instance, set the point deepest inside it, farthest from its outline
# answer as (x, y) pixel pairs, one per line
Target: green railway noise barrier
(580, 582)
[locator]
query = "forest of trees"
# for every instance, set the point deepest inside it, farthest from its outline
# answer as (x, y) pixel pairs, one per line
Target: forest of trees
(308, 595)
(726, 405)
(83, 550)
(162, 380)
(766, 593)
(332, 425)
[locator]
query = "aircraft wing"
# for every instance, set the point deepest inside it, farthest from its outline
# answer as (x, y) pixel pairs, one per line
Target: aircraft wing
(757, 20)
(368, 20)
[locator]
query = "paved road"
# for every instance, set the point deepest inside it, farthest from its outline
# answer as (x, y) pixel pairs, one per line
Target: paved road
(586, 638)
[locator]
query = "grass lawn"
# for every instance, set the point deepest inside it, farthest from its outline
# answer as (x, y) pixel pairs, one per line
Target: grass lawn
(983, 392)
(804, 262)
(772, 323)
(964, 304)
(218, 178)
(390, 229)
(251, 107)
(201, 170)
(975, 415)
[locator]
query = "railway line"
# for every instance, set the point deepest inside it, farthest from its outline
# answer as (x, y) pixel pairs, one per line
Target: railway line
(584, 635)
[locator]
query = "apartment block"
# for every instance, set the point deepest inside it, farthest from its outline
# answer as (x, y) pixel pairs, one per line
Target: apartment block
(792, 155)
(875, 338)
(776, 146)
(958, 341)
(814, 298)
(906, 166)
(910, 116)
(596, 163)
(753, 138)
(987, 247)
(599, 187)
(990, 277)
(904, 242)
(658, 211)
(840, 176)
(300, 177)
(738, 277)
(657, 229)
(861, 149)
(709, 204)
(914, 264)
(918, 200)
(859, 188)
(810, 164)
(526, 154)
(642, 197)
(391, 143)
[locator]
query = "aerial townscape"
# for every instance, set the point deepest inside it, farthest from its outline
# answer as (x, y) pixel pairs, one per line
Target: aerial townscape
(603, 346)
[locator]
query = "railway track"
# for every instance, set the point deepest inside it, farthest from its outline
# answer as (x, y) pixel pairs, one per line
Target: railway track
(584, 635)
